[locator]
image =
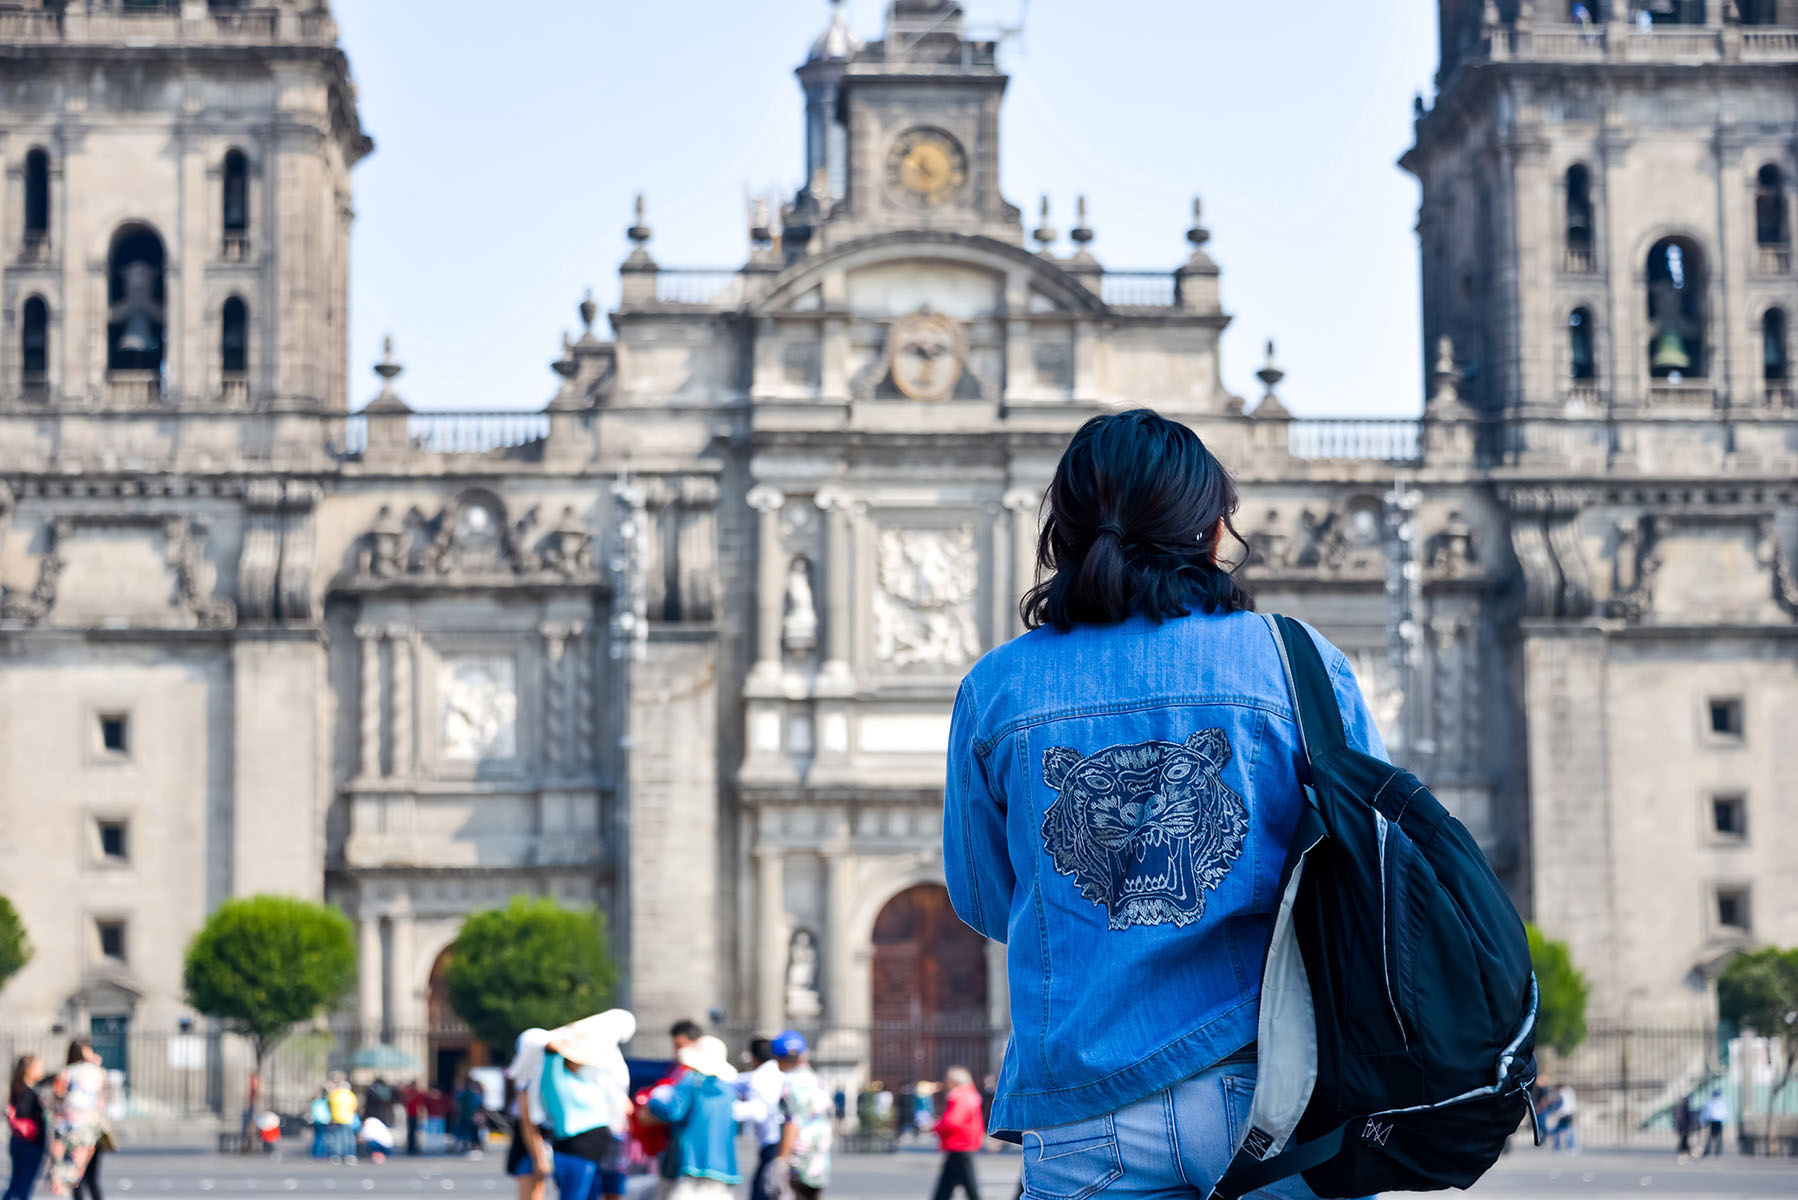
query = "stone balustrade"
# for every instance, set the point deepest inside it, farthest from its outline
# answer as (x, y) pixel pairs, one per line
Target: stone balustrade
(169, 24)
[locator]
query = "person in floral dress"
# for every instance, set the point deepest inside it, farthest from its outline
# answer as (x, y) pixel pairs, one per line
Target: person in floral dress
(78, 1117)
(811, 1116)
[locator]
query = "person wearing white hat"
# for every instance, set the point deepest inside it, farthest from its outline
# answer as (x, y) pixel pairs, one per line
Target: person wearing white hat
(586, 1096)
(703, 1109)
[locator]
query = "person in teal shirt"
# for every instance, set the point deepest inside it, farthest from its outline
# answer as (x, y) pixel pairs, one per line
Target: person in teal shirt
(703, 1110)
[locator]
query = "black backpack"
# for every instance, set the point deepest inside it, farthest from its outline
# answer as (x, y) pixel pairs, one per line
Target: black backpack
(1396, 1048)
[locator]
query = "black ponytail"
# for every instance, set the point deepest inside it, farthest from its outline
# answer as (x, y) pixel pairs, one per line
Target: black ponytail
(1136, 510)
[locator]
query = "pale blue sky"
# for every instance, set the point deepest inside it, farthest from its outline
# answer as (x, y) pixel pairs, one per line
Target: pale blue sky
(511, 137)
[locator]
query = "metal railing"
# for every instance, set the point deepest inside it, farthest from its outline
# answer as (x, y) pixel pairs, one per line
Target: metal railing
(457, 432)
(1138, 289)
(1686, 392)
(1393, 440)
(700, 287)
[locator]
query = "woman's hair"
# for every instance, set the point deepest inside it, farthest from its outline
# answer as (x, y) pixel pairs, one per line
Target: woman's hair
(20, 1066)
(958, 1077)
(78, 1051)
(1136, 510)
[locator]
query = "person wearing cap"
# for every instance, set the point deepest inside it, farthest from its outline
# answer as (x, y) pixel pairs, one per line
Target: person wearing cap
(586, 1096)
(703, 1110)
(810, 1119)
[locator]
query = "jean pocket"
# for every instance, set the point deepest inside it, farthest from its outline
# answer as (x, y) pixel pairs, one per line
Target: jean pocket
(1072, 1162)
(1239, 1099)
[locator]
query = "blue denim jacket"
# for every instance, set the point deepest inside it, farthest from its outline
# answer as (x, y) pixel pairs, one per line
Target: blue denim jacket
(1118, 805)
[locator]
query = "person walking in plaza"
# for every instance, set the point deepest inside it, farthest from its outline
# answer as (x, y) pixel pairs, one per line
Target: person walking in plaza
(810, 1129)
(586, 1097)
(1685, 1123)
(319, 1115)
(651, 1132)
(761, 1088)
(528, 1158)
(28, 1125)
(342, 1102)
(77, 1117)
(1122, 786)
(960, 1131)
(702, 1109)
(1715, 1116)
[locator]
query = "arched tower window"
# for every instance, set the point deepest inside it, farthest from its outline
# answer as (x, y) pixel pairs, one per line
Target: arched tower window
(1676, 309)
(237, 193)
(1579, 209)
(1770, 207)
(1773, 346)
(1579, 344)
(34, 339)
(234, 337)
(135, 298)
(37, 194)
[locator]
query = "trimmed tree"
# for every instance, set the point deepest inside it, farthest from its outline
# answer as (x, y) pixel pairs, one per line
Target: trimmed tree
(263, 964)
(1561, 993)
(1758, 990)
(529, 964)
(15, 947)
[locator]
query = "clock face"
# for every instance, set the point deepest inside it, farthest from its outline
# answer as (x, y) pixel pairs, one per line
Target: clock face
(925, 167)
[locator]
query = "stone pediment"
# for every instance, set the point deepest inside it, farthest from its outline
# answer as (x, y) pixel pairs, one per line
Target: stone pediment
(1051, 286)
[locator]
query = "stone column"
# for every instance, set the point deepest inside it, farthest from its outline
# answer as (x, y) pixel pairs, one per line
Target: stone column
(771, 945)
(838, 584)
(1024, 504)
(370, 639)
(404, 716)
(767, 501)
(839, 960)
(555, 700)
(369, 975)
(403, 988)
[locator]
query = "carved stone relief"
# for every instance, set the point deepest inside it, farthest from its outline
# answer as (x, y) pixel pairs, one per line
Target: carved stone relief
(926, 581)
(478, 699)
(469, 540)
(799, 618)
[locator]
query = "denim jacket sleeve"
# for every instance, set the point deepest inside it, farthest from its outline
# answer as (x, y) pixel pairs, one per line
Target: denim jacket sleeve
(1357, 721)
(975, 857)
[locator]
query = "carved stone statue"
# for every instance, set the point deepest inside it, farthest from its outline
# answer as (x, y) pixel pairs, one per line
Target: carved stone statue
(1272, 544)
(386, 538)
(799, 626)
(569, 549)
(803, 1002)
(924, 599)
(1451, 550)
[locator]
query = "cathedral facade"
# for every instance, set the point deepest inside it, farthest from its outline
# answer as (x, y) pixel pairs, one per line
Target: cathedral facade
(682, 645)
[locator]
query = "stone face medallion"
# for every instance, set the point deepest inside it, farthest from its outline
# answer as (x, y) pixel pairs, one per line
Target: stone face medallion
(925, 353)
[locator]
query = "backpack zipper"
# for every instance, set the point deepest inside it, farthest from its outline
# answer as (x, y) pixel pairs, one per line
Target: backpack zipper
(1381, 824)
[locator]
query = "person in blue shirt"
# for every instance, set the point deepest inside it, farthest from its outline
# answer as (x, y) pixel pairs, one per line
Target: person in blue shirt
(1122, 784)
(585, 1088)
(703, 1108)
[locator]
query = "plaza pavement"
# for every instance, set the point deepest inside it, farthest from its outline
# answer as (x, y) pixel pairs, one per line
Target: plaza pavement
(142, 1174)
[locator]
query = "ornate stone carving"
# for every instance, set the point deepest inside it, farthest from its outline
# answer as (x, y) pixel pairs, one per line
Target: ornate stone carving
(1271, 544)
(925, 584)
(1321, 543)
(383, 551)
(1634, 563)
(799, 621)
(1576, 578)
(926, 352)
(1772, 556)
(259, 560)
(803, 1001)
(569, 549)
(1541, 579)
(478, 698)
(1451, 551)
(185, 556)
(470, 541)
(36, 604)
(299, 502)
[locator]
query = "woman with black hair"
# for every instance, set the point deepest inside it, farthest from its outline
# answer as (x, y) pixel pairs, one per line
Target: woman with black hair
(1122, 785)
(28, 1124)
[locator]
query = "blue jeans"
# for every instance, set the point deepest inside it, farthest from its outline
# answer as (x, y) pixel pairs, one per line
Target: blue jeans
(580, 1178)
(27, 1157)
(1172, 1146)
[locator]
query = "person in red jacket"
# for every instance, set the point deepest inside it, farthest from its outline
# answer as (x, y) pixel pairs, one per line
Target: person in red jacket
(960, 1130)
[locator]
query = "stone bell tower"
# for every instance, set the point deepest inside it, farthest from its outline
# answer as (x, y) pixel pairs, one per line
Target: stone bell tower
(174, 231)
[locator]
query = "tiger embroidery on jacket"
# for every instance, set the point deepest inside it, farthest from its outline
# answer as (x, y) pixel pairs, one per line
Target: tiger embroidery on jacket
(1145, 829)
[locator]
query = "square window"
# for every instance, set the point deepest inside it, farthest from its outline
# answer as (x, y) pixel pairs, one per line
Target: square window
(1732, 909)
(1729, 816)
(113, 733)
(1726, 717)
(112, 940)
(114, 846)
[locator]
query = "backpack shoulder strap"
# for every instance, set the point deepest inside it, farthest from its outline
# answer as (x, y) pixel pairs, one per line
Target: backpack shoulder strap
(1308, 683)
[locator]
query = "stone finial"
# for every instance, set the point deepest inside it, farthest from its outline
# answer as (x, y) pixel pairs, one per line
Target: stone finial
(566, 366)
(1445, 379)
(761, 224)
(639, 231)
(389, 369)
(1082, 232)
(1198, 235)
(588, 310)
(1270, 376)
(1045, 233)
(1489, 15)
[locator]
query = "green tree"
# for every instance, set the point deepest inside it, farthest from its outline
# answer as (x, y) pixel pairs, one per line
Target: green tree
(1758, 990)
(1561, 1010)
(262, 964)
(528, 964)
(15, 947)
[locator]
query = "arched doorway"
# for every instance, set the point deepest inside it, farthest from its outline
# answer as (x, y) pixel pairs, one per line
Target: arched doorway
(930, 991)
(450, 1047)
